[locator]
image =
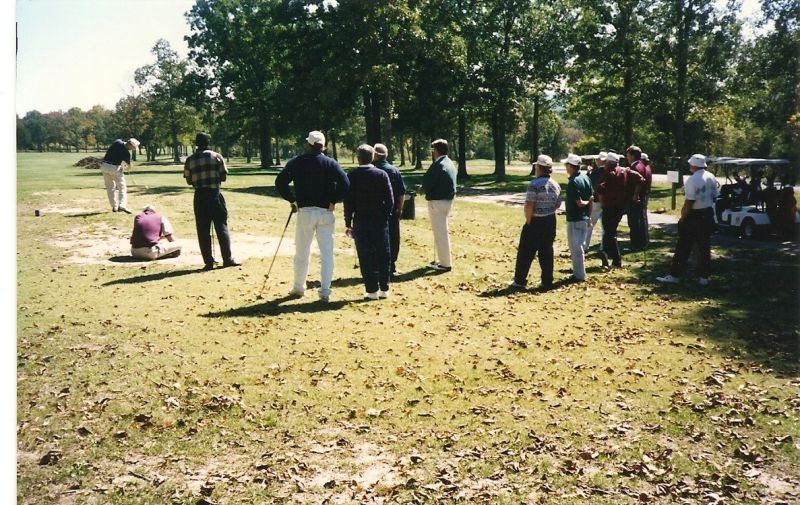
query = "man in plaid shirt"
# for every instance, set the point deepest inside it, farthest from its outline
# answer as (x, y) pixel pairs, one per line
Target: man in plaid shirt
(205, 170)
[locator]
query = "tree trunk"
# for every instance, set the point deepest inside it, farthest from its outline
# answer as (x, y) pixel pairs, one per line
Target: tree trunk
(418, 154)
(248, 151)
(499, 141)
(402, 151)
(333, 145)
(684, 23)
(265, 139)
(535, 134)
(277, 152)
(388, 124)
(462, 145)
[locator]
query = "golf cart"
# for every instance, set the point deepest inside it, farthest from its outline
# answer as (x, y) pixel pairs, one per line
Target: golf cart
(754, 204)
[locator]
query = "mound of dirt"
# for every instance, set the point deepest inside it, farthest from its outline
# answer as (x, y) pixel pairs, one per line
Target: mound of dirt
(89, 162)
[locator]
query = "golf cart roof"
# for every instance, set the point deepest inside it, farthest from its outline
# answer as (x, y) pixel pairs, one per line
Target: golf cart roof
(746, 162)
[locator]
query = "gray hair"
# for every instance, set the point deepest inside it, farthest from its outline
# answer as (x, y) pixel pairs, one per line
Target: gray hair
(365, 154)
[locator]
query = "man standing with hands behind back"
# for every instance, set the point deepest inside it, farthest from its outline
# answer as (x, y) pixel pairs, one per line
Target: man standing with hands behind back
(205, 170)
(319, 183)
(439, 184)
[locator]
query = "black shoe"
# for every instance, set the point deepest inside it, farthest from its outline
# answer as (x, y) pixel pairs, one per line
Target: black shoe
(231, 263)
(565, 270)
(572, 280)
(209, 266)
(125, 210)
(545, 287)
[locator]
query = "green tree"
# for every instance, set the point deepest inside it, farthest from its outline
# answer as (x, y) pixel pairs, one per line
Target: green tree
(163, 82)
(36, 128)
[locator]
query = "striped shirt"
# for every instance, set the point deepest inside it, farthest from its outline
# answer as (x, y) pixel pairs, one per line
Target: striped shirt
(205, 169)
(544, 193)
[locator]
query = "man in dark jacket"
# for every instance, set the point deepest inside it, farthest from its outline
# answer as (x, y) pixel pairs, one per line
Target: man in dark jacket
(439, 184)
(367, 208)
(319, 184)
(398, 193)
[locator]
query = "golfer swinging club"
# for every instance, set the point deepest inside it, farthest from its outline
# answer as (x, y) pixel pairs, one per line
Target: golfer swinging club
(117, 154)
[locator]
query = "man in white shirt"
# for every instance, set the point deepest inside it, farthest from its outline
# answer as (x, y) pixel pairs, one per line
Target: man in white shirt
(696, 223)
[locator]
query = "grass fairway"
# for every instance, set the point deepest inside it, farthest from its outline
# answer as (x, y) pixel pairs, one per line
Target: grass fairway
(159, 383)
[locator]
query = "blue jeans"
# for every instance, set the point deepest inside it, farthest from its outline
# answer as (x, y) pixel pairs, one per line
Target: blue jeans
(371, 236)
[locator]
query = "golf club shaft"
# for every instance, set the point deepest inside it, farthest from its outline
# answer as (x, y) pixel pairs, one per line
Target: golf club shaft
(280, 240)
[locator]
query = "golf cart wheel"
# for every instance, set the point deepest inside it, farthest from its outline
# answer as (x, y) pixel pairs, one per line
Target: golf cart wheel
(748, 228)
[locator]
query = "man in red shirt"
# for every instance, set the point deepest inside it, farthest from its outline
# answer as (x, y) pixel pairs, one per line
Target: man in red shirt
(149, 228)
(637, 211)
(618, 186)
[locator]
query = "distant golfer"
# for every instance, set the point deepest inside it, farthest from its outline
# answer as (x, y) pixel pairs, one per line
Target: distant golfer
(367, 208)
(398, 193)
(117, 156)
(205, 170)
(696, 223)
(319, 184)
(439, 184)
(152, 237)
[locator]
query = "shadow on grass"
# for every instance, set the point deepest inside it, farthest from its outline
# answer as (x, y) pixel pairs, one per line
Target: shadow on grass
(257, 190)
(275, 307)
(751, 304)
(159, 190)
(510, 290)
(147, 277)
(87, 214)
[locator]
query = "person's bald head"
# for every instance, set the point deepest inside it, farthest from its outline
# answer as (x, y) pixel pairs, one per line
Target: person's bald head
(381, 151)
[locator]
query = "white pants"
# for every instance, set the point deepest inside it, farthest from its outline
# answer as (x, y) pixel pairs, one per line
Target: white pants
(577, 232)
(320, 222)
(155, 252)
(439, 213)
(597, 214)
(114, 178)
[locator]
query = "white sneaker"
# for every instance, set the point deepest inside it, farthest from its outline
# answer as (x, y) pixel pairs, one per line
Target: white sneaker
(669, 279)
(383, 294)
(703, 281)
(324, 298)
(516, 285)
(371, 296)
(297, 292)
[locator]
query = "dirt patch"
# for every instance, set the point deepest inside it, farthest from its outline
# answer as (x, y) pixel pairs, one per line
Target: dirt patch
(108, 245)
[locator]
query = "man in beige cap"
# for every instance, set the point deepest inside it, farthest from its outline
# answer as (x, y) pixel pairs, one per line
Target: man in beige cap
(539, 231)
(117, 156)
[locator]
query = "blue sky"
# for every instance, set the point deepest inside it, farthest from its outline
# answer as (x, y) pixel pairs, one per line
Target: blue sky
(80, 53)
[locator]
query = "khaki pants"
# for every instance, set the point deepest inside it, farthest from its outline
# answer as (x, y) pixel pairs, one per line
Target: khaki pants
(157, 251)
(439, 213)
(114, 179)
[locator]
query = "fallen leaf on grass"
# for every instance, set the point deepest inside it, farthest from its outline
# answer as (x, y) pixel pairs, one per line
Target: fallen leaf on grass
(51, 458)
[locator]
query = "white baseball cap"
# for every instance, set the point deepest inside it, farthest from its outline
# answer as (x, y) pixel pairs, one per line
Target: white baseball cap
(602, 156)
(316, 137)
(613, 157)
(572, 159)
(698, 160)
(135, 143)
(645, 157)
(544, 160)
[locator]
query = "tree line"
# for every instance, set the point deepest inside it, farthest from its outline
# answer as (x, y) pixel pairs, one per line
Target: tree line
(503, 79)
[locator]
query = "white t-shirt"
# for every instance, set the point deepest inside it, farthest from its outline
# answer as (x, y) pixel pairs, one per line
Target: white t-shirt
(702, 188)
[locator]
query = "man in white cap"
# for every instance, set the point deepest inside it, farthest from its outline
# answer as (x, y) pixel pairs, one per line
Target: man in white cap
(696, 223)
(578, 210)
(597, 210)
(539, 231)
(117, 156)
(152, 237)
(319, 184)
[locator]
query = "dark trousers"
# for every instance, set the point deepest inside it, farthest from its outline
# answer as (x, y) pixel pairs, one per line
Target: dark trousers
(371, 236)
(637, 222)
(209, 207)
(694, 231)
(611, 219)
(394, 238)
(536, 237)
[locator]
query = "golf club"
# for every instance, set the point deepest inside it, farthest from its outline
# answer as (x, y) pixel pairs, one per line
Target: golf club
(213, 249)
(269, 270)
(355, 253)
